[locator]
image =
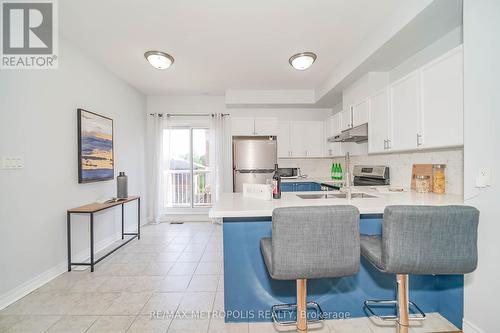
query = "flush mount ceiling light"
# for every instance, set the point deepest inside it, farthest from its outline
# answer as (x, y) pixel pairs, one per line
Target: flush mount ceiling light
(302, 61)
(159, 60)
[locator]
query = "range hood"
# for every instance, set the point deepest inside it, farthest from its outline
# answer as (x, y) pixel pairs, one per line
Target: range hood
(357, 134)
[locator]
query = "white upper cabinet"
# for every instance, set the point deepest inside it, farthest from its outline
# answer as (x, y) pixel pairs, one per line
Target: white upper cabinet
(336, 124)
(405, 108)
(242, 126)
(425, 108)
(346, 119)
(307, 138)
(379, 122)
(315, 139)
(265, 126)
(332, 128)
(442, 101)
(355, 98)
(360, 113)
(247, 126)
(283, 138)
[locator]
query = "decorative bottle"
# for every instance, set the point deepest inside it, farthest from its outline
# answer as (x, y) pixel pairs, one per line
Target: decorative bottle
(122, 186)
(276, 183)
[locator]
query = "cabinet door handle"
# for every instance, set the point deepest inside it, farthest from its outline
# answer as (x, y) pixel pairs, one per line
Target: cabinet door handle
(419, 136)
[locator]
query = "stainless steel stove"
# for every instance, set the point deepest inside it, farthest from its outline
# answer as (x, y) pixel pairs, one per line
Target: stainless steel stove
(371, 175)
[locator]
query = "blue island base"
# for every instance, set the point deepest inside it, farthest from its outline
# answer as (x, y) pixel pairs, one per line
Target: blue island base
(249, 291)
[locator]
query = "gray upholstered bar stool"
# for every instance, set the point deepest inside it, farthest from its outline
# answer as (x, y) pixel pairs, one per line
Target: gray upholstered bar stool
(311, 243)
(421, 240)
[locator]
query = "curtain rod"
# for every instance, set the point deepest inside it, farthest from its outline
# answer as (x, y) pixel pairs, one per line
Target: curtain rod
(187, 114)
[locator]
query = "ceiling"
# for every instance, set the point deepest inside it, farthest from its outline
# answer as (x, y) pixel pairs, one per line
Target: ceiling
(220, 44)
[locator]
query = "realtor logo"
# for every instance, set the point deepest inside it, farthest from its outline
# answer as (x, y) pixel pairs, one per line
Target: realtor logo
(29, 38)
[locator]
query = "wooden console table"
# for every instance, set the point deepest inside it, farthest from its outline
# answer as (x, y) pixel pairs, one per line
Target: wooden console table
(93, 208)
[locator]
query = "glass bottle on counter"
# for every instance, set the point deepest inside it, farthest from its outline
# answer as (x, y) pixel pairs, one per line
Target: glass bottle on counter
(341, 175)
(276, 183)
(438, 178)
(332, 172)
(337, 174)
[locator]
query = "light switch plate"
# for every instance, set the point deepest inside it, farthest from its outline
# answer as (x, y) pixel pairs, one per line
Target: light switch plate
(12, 162)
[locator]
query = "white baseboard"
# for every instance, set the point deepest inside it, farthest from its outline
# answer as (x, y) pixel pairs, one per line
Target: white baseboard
(27, 287)
(469, 327)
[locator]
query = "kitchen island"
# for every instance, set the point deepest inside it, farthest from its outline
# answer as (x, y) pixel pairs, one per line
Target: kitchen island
(249, 292)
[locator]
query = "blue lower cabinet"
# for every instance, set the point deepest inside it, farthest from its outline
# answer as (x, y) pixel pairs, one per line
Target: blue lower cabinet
(315, 187)
(249, 291)
(287, 187)
(300, 186)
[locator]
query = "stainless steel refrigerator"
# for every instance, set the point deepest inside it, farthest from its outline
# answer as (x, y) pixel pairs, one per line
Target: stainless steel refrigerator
(254, 158)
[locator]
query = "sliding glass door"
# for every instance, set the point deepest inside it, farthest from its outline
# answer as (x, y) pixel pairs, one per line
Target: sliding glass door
(186, 175)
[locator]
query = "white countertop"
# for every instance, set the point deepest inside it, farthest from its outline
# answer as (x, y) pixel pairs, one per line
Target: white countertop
(235, 205)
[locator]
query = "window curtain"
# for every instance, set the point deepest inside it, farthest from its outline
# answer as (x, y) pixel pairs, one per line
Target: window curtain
(159, 159)
(220, 152)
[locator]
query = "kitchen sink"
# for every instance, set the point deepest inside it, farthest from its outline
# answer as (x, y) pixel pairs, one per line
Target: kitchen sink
(353, 195)
(336, 196)
(313, 196)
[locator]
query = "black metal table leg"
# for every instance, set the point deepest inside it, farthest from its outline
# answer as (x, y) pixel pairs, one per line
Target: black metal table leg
(123, 221)
(68, 228)
(139, 218)
(91, 242)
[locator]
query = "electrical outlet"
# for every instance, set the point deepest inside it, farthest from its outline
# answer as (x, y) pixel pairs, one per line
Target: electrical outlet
(483, 178)
(12, 162)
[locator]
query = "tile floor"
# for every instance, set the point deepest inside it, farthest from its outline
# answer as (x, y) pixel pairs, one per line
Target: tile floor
(173, 267)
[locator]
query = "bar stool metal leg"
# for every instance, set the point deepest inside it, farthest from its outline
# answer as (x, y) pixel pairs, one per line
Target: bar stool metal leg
(403, 303)
(301, 305)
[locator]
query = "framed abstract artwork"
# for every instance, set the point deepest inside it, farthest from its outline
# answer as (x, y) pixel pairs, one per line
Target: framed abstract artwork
(95, 147)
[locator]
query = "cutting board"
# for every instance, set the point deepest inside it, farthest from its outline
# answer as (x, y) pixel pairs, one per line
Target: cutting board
(418, 170)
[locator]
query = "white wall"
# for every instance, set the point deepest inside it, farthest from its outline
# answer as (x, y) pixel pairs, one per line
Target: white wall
(482, 139)
(38, 122)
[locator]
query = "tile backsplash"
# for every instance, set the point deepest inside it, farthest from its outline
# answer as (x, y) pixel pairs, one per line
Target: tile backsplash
(400, 166)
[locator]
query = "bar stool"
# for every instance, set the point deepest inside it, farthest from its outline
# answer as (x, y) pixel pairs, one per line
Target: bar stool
(311, 243)
(421, 240)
